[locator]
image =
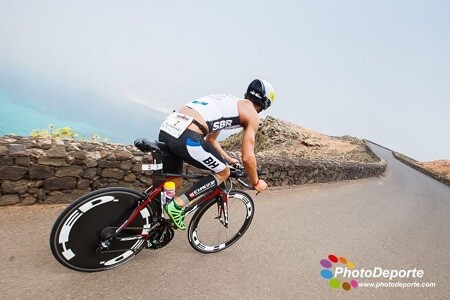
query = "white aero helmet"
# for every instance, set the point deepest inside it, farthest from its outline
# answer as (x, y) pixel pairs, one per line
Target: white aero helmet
(260, 91)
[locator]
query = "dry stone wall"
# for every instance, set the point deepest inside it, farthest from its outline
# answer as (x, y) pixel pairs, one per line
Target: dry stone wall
(285, 171)
(57, 171)
(415, 165)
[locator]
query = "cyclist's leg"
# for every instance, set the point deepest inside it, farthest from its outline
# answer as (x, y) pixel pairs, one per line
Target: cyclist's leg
(171, 163)
(192, 147)
(203, 155)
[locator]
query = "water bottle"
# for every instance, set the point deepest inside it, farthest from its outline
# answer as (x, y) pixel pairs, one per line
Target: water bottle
(169, 191)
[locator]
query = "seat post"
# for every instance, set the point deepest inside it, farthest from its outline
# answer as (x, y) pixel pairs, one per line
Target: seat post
(157, 159)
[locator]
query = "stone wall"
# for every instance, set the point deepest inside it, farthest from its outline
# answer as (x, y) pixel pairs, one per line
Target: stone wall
(414, 164)
(57, 171)
(284, 171)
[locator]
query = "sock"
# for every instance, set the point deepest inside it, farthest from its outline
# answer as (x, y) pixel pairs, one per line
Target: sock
(176, 205)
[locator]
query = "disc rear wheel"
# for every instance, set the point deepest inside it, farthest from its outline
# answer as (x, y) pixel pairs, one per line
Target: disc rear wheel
(78, 239)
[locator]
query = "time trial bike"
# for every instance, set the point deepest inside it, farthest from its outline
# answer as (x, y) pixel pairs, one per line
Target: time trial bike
(107, 227)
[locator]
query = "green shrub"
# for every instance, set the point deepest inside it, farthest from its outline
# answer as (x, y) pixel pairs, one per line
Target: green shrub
(63, 133)
(59, 133)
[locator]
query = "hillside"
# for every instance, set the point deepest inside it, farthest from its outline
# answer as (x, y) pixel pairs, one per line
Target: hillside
(284, 138)
(442, 167)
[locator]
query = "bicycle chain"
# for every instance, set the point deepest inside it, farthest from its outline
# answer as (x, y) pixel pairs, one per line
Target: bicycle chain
(122, 250)
(126, 249)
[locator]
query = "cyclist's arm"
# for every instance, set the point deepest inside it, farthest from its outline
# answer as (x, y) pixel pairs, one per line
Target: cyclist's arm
(212, 139)
(248, 154)
(250, 121)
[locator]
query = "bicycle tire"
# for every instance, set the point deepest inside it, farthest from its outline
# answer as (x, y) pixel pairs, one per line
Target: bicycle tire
(76, 233)
(205, 232)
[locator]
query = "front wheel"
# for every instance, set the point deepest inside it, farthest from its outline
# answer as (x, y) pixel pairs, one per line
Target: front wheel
(207, 232)
(80, 229)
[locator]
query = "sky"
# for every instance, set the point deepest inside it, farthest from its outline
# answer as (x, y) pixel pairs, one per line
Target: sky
(378, 70)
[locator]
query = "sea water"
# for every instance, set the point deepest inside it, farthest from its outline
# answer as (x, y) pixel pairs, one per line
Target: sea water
(21, 118)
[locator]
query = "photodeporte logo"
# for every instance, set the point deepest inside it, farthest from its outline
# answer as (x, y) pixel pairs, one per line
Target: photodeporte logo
(328, 272)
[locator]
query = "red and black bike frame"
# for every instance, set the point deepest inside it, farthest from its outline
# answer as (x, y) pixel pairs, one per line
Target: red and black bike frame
(153, 192)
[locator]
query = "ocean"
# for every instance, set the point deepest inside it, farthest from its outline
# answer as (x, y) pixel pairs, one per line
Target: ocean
(121, 123)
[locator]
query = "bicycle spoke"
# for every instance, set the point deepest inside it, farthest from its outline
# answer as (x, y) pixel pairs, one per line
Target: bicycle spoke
(207, 233)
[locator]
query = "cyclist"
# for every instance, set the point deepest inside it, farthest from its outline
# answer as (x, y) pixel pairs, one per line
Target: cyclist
(191, 135)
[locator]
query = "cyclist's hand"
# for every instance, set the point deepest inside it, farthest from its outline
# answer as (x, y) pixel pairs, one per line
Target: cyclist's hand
(261, 186)
(233, 161)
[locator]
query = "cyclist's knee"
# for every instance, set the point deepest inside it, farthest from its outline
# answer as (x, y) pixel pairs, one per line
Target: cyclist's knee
(224, 174)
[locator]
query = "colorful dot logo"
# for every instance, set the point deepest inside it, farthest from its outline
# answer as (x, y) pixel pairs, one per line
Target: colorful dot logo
(327, 272)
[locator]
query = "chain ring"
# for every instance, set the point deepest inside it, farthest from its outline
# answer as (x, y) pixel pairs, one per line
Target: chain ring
(160, 238)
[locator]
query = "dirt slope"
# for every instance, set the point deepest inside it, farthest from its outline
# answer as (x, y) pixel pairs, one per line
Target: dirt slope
(285, 138)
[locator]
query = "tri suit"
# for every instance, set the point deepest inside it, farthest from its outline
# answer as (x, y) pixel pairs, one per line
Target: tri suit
(219, 111)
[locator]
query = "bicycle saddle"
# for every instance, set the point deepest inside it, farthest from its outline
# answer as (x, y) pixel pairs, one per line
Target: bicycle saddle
(146, 145)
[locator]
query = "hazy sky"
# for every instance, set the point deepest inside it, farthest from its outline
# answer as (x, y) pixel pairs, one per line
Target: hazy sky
(373, 69)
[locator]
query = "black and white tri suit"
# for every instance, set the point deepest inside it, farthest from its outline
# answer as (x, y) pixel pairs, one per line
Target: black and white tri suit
(219, 112)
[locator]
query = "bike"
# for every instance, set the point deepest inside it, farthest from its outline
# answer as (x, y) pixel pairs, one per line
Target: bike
(106, 228)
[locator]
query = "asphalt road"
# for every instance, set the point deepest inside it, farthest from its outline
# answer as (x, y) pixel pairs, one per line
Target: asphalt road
(397, 222)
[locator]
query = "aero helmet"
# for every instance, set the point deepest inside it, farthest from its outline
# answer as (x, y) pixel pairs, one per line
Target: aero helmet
(261, 92)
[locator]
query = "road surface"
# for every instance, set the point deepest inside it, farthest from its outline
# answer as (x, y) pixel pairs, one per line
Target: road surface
(400, 221)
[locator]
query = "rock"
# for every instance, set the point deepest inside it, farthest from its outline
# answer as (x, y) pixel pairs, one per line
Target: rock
(311, 143)
(12, 172)
(23, 161)
(73, 147)
(125, 165)
(9, 199)
(57, 151)
(96, 184)
(39, 183)
(145, 180)
(94, 155)
(123, 155)
(3, 150)
(57, 162)
(108, 164)
(35, 152)
(80, 155)
(83, 184)
(44, 143)
(17, 150)
(14, 187)
(28, 200)
(59, 142)
(90, 173)
(113, 173)
(40, 172)
(90, 162)
(104, 154)
(63, 183)
(70, 171)
(42, 194)
(130, 177)
(57, 198)
(6, 161)
(33, 191)
(137, 168)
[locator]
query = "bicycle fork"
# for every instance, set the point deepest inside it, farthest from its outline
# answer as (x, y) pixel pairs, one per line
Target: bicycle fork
(222, 210)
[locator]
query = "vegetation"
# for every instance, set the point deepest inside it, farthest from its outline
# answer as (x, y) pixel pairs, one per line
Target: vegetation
(62, 133)
(59, 133)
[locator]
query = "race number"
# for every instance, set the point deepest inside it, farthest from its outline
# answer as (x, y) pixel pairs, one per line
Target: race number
(176, 124)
